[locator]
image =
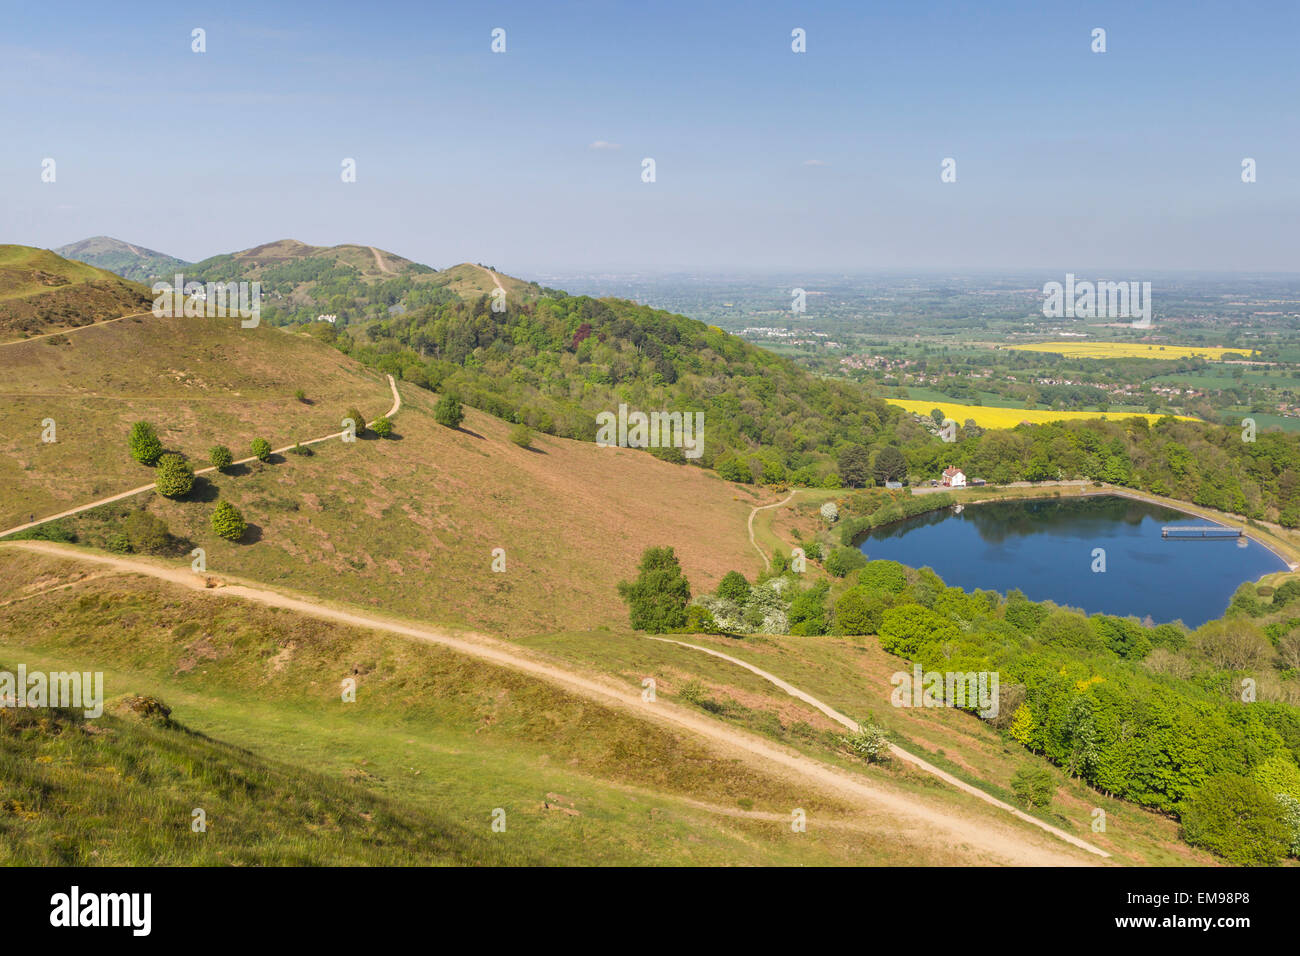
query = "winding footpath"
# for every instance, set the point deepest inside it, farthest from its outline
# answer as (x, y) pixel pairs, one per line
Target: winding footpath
(907, 814)
(397, 405)
(761, 553)
(897, 751)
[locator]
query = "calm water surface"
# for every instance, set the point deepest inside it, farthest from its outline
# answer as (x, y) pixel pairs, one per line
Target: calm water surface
(1045, 548)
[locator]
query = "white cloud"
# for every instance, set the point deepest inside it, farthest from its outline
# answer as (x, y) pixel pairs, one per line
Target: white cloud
(815, 162)
(601, 144)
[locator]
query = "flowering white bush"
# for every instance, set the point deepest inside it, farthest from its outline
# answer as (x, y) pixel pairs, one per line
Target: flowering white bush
(830, 512)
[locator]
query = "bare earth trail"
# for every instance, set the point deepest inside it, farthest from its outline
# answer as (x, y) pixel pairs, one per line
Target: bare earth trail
(495, 278)
(397, 405)
(379, 261)
(92, 325)
(897, 751)
(761, 553)
(939, 826)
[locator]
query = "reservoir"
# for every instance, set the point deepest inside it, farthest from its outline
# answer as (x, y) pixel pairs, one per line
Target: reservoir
(1047, 549)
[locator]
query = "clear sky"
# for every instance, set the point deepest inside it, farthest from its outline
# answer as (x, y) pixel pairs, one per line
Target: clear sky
(530, 160)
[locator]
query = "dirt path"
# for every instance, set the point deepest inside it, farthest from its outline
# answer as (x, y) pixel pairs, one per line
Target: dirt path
(92, 325)
(495, 277)
(897, 751)
(941, 826)
(761, 553)
(379, 261)
(397, 404)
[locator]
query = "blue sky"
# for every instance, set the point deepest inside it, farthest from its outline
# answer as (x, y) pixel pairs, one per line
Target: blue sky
(766, 159)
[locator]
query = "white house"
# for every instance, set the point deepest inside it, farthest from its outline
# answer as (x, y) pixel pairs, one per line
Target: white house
(953, 478)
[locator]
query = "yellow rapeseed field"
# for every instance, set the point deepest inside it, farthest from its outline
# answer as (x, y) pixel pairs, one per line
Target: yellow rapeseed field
(1107, 350)
(987, 417)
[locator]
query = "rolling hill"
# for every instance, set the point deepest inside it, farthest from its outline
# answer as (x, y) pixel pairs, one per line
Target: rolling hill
(42, 292)
(125, 259)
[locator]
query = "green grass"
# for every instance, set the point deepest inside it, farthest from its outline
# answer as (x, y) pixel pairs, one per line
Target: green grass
(433, 744)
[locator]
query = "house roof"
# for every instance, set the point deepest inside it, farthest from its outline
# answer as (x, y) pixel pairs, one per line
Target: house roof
(951, 472)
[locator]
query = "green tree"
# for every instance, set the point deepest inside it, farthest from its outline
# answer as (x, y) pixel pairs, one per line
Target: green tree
(144, 443)
(858, 612)
(855, 466)
(658, 597)
(358, 420)
(175, 476)
(220, 457)
(448, 411)
(522, 435)
(890, 465)
(843, 560)
(1236, 818)
(261, 448)
(733, 587)
(227, 522)
(904, 630)
(1033, 786)
(381, 426)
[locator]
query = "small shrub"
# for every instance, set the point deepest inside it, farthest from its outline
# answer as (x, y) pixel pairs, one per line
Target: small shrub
(119, 543)
(301, 449)
(175, 476)
(868, 742)
(448, 411)
(220, 457)
(381, 426)
(1033, 786)
(522, 436)
(146, 533)
(300, 395)
(227, 522)
(144, 444)
(358, 420)
(261, 448)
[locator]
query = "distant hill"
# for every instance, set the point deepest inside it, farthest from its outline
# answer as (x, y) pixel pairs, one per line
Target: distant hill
(354, 283)
(41, 291)
(125, 259)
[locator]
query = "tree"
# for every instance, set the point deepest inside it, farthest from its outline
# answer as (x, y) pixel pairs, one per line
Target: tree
(843, 560)
(144, 443)
(890, 465)
(146, 533)
(733, 587)
(904, 630)
(448, 411)
(658, 597)
(175, 476)
(1238, 819)
(1033, 786)
(855, 466)
(381, 426)
(522, 436)
(220, 457)
(358, 420)
(227, 522)
(858, 612)
(261, 448)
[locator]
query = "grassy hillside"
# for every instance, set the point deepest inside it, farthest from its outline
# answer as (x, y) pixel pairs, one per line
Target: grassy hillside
(132, 262)
(43, 292)
(410, 773)
(410, 524)
(201, 381)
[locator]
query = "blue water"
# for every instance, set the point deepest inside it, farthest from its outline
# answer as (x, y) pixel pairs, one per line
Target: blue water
(1045, 548)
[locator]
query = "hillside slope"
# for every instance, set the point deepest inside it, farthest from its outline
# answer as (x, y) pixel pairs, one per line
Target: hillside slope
(42, 292)
(201, 381)
(126, 259)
